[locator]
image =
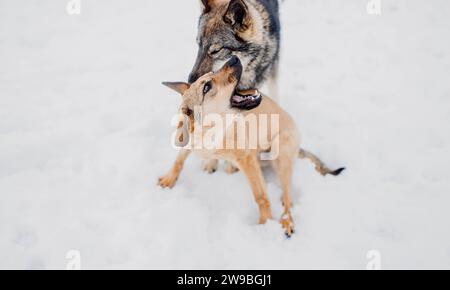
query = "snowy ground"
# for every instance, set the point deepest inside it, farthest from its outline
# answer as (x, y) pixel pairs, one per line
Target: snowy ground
(85, 132)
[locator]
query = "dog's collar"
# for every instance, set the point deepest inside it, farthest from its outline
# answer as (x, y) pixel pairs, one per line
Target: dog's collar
(246, 100)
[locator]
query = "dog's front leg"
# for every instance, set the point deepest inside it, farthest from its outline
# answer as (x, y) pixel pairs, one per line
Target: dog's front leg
(169, 180)
(250, 166)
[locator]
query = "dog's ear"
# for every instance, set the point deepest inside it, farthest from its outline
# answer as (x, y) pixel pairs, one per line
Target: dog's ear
(178, 87)
(207, 5)
(237, 15)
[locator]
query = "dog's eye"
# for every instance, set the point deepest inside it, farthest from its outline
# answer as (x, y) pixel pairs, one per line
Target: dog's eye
(216, 51)
(207, 88)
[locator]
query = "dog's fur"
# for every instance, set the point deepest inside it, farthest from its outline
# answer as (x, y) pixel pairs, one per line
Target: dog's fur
(248, 29)
(217, 100)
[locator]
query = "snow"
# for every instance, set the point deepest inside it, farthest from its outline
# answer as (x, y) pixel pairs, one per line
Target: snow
(85, 133)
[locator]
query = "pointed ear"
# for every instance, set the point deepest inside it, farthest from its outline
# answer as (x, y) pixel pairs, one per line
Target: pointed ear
(237, 15)
(178, 87)
(206, 5)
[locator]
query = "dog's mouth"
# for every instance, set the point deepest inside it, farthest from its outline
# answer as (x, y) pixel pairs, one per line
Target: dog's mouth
(246, 100)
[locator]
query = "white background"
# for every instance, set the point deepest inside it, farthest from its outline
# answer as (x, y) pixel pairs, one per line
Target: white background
(85, 133)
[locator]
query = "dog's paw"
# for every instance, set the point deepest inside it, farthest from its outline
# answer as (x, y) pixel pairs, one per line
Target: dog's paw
(230, 168)
(288, 225)
(167, 181)
(211, 166)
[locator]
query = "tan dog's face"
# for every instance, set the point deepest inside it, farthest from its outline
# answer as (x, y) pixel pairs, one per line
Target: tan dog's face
(212, 91)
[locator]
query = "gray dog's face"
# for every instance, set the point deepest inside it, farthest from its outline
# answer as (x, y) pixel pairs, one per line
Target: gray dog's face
(219, 38)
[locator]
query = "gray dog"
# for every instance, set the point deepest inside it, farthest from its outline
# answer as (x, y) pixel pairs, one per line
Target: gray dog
(248, 29)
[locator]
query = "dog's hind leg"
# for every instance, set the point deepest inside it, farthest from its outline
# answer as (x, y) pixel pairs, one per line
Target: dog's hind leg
(250, 166)
(230, 168)
(284, 167)
(171, 178)
(211, 166)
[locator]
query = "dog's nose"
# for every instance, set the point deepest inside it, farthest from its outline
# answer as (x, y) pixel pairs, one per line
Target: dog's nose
(234, 60)
(193, 77)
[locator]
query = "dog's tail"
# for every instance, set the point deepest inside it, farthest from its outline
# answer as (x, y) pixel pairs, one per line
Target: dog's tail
(320, 166)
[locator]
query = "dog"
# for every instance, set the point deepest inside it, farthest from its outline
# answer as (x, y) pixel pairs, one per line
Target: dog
(212, 92)
(249, 29)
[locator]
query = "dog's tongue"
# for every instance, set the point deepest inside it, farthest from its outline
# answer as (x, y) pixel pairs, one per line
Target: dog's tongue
(239, 98)
(246, 100)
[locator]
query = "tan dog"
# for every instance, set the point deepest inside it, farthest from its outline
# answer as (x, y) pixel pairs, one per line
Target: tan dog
(212, 93)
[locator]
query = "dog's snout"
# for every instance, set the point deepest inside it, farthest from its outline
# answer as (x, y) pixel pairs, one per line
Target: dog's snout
(234, 61)
(193, 77)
